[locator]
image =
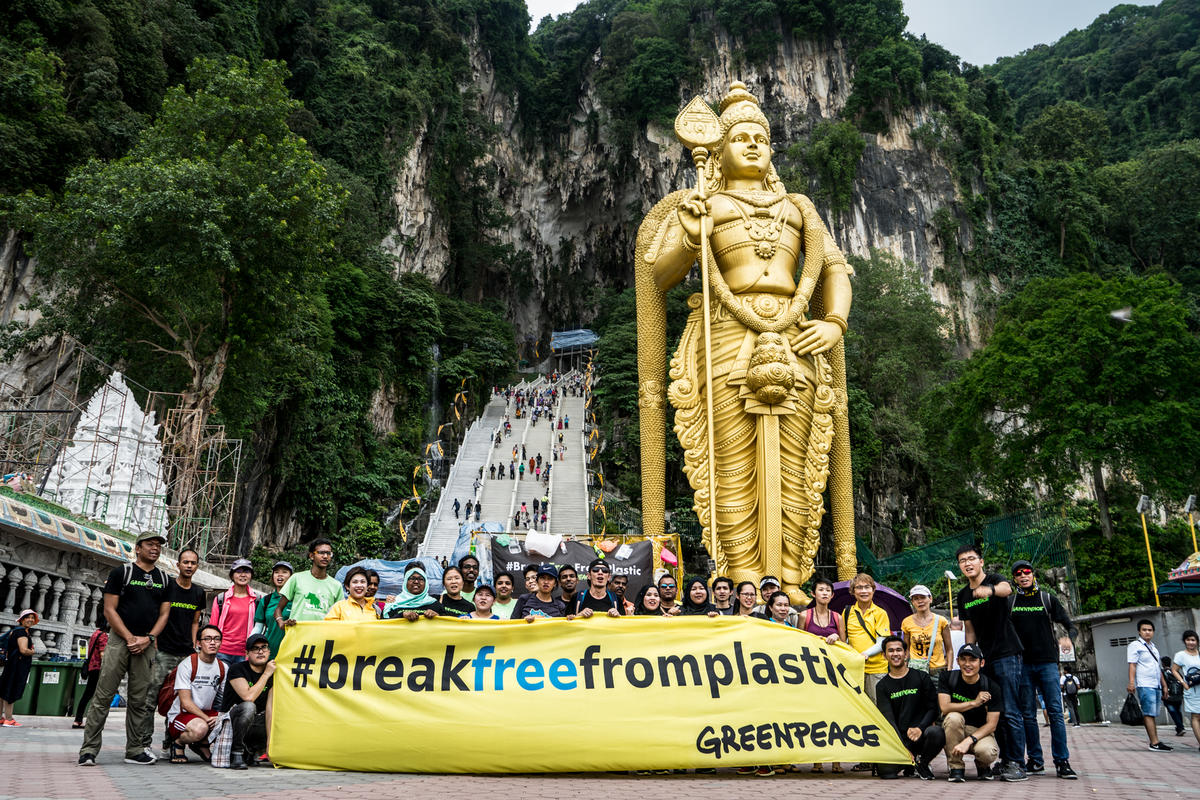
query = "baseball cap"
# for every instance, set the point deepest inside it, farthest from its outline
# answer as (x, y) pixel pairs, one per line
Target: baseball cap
(547, 569)
(971, 649)
(146, 537)
(241, 563)
(283, 564)
(920, 589)
(769, 579)
(253, 639)
(1021, 565)
(483, 587)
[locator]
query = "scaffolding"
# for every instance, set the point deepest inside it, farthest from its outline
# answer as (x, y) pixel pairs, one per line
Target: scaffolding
(196, 483)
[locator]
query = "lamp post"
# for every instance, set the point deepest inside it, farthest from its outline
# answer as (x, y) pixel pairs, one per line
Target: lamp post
(1142, 507)
(950, 591)
(1189, 507)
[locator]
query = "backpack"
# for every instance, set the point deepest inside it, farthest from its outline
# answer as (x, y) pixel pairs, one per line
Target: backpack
(1174, 689)
(167, 693)
(1070, 686)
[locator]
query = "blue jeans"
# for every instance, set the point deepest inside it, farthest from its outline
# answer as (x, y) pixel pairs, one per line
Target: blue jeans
(1043, 678)
(231, 660)
(1008, 672)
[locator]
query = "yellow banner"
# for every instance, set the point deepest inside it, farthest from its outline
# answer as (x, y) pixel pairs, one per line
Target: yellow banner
(450, 695)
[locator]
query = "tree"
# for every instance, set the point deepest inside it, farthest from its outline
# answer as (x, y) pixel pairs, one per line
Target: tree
(208, 243)
(1064, 389)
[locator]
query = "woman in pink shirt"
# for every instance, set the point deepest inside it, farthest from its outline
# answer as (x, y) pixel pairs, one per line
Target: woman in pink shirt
(233, 613)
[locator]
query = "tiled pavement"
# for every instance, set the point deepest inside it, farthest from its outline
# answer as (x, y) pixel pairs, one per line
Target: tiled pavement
(38, 761)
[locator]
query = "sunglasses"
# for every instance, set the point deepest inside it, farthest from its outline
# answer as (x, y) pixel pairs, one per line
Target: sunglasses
(601, 569)
(1023, 572)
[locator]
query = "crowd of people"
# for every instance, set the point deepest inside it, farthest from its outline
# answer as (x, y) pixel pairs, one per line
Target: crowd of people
(966, 692)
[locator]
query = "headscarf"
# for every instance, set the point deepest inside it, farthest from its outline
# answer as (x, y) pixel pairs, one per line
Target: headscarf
(640, 606)
(689, 606)
(406, 600)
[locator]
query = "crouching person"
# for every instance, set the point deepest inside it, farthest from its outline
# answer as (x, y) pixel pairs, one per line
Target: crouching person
(246, 700)
(909, 701)
(192, 718)
(971, 704)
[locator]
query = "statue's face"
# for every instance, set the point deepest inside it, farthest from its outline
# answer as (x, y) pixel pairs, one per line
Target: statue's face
(747, 152)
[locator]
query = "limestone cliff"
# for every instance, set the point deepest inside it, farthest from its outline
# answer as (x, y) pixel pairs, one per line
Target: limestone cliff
(575, 203)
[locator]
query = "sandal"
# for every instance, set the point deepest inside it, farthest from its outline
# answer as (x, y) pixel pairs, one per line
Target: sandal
(817, 768)
(78, 725)
(178, 754)
(836, 769)
(205, 754)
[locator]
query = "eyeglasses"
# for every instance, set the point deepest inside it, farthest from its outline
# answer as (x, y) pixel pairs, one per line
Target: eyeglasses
(747, 594)
(262, 648)
(968, 559)
(210, 638)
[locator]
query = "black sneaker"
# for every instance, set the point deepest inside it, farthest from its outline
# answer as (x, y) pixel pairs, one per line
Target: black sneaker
(983, 773)
(1065, 772)
(1013, 773)
(1034, 767)
(141, 758)
(1159, 747)
(957, 776)
(924, 772)
(87, 760)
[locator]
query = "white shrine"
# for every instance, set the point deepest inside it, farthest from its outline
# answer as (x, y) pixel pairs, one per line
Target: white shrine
(110, 470)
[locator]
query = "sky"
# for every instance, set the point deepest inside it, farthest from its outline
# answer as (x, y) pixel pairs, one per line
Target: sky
(978, 31)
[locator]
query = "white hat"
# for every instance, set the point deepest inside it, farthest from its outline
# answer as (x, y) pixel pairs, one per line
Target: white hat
(920, 588)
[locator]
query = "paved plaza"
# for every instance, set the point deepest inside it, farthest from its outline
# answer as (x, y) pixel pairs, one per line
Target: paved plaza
(38, 760)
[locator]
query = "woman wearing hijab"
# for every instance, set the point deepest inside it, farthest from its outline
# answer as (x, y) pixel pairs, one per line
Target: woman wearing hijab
(452, 600)
(414, 601)
(696, 601)
(649, 603)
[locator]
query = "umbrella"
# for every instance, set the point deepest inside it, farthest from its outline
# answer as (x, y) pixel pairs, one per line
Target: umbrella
(895, 604)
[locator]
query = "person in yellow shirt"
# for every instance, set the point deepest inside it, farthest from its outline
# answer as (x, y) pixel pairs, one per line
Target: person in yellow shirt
(927, 635)
(866, 625)
(357, 607)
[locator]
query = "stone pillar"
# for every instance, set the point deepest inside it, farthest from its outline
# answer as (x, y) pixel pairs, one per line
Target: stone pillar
(10, 600)
(3, 572)
(55, 601)
(26, 591)
(70, 603)
(43, 586)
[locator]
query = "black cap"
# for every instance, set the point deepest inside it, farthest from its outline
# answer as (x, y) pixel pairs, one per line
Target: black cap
(547, 569)
(254, 639)
(970, 649)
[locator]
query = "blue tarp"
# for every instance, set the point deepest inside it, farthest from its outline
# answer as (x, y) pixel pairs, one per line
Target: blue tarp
(581, 337)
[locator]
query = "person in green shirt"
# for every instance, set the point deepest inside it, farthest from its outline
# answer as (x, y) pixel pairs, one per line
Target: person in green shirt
(311, 594)
(265, 611)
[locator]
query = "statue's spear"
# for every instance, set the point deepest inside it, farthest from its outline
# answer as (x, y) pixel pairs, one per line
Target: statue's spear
(699, 129)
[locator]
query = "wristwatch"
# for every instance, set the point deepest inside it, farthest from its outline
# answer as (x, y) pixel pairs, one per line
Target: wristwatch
(974, 741)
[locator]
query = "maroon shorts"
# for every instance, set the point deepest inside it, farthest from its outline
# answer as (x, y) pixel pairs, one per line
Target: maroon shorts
(179, 725)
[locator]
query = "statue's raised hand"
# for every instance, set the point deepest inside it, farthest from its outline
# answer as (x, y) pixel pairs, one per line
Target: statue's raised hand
(816, 336)
(691, 211)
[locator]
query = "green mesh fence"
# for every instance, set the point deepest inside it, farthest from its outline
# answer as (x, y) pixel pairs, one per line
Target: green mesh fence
(1038, 537)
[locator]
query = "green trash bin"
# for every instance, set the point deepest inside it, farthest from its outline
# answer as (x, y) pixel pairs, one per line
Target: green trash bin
(56, 685)
(1089, 706)
(25, 706)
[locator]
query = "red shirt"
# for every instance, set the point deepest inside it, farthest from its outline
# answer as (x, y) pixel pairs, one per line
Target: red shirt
(235, 623)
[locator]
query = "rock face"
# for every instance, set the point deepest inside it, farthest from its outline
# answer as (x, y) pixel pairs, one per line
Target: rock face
(575, 203)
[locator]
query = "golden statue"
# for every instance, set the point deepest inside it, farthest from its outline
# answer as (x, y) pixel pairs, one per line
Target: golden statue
(758, 380)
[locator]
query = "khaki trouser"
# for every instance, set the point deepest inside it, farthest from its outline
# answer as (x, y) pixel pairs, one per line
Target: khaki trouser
(116, 663)
(870, 681)
(163, 664)
(986, 750)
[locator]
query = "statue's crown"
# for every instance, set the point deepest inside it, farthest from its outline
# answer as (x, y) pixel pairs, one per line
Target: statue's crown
(741, 106)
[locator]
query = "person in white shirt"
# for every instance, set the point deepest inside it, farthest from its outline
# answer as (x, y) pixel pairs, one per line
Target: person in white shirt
(1146, 680)
(199, 680)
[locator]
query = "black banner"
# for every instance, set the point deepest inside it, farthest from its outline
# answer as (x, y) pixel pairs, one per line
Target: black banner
(638, 565)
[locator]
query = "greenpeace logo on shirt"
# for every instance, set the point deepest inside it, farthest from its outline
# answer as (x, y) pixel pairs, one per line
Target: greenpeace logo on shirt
(147, 583)
(1029, 609)
(902, 693)
(185, 606)
(958, 697)
(976, 602)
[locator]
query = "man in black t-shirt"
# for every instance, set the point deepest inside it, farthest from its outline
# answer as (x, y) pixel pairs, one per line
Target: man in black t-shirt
(541, 603)
(178, 639)
(568, 584)
(136, 609)
(909, 701)
(597, 599)
(985, 611)
(971, 704)
(247, 699)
